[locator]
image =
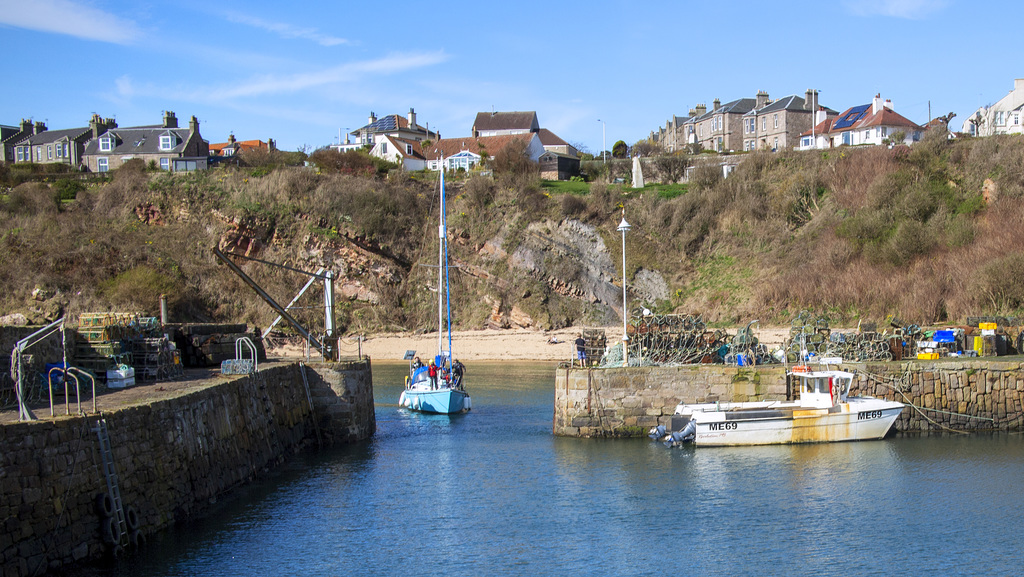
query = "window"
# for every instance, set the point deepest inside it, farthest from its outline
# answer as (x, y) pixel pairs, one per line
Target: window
(805, 142)
(1016, 118)
(165, 164)
(408, 149)
(1000, 118)
(59, 150)
(39, 153)
(885, 131)
(21, 154)
(106, 144)
(383, 148)
(775, 119)
(101, 164)
(49, 152)
(867, 135)
(846, 137)
(775, 145)
(166, 142)
(764, 124)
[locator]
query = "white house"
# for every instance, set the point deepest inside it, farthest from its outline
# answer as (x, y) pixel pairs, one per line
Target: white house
(402, 151)
(1003, 117)
(871, 124)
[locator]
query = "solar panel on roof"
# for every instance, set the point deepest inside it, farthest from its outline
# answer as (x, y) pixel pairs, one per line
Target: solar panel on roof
(850, 118)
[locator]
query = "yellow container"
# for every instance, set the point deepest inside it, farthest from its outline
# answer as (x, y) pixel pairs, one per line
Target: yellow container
(987, 326)
(979, 345)
(927, 356)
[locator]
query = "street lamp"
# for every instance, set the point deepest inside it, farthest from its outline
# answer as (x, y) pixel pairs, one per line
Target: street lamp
(604, 143)
(623, 227)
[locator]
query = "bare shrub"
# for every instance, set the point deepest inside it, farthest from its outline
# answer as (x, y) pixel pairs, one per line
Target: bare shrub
(32, 198)
(572, 205)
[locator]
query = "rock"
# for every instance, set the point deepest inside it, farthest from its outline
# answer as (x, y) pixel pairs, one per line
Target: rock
(14, 320)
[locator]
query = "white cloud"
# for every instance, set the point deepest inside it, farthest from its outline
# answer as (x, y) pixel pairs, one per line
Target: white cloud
(909, 9)
(69, 18)
(287, 31)
(268, 85)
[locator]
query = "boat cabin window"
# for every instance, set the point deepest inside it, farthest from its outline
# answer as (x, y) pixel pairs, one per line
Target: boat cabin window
(842, 386)
(816, 385)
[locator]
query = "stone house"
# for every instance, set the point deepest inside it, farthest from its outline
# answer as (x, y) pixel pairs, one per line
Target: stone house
(776, 125)
(1003, 117)
(721, 128)
(233, 147)
(166, 145)
(65, 146)
(9, 135)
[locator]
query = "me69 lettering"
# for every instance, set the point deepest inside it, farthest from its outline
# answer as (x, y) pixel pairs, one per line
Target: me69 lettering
(866, 415)
(721, 426)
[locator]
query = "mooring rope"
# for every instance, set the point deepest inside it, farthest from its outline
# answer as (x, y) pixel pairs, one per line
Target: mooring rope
(920, 410)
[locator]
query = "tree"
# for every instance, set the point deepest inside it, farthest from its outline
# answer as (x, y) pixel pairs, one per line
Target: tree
(646, 147)
(672, 167)
(620, 150)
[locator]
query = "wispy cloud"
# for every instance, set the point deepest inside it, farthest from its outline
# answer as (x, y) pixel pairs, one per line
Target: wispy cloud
(287, 30)
(69, 18)
(909, 9)
(269, 85)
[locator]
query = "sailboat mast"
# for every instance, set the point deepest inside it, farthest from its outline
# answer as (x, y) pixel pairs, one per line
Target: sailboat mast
(441, 234)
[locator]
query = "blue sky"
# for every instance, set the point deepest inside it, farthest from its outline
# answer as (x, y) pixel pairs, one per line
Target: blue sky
(298, 72)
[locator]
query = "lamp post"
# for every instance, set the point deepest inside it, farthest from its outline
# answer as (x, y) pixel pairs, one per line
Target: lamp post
(623, 227)
(604, 143)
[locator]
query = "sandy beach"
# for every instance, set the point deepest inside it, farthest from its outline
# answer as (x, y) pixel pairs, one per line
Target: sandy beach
(494, 345)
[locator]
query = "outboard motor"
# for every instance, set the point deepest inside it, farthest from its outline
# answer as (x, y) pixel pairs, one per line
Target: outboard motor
(657, 432)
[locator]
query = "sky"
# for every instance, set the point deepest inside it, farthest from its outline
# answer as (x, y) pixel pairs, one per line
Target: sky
(594, 72)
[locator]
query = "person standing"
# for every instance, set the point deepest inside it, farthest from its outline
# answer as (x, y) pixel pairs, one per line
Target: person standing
(432, 373)
(581, 350)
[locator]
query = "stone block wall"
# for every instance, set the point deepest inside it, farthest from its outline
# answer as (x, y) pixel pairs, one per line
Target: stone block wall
(173, 457)
(627, 402)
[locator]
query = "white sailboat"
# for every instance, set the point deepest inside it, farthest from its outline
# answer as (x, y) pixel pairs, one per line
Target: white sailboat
(443, 392)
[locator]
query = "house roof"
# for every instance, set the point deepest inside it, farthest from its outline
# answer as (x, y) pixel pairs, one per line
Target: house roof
(823, 127)
(850, 116)
(387, 123)
(240, 145)
(416, 152)
(50, 136)
(548, 138)
(451, 146)
(886, 117)
(138, 140)
(506, 121)
(790, 103)
(738, 106)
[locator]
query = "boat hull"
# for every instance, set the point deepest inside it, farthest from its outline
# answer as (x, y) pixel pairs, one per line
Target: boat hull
(439, 401)
(857, 420)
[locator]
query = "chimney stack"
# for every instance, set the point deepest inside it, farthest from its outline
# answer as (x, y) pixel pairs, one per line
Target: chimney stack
(373, 118)
(762, 100)
(717, 103)
(39, 127)
(193, 124)
(876, 104)
(702, 109)
(231, 139)
(412, 118)
(170, 121)
(811, 100)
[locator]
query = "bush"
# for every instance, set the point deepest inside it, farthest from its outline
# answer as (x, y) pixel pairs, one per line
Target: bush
(68, 188)
(139, 288)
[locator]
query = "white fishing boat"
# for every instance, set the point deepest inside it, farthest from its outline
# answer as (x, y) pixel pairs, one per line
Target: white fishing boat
(438, 387)
(824, 412)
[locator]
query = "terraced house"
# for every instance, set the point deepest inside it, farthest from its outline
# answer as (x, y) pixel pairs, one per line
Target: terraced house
(165, 145)
(65, 146)
(777, 125)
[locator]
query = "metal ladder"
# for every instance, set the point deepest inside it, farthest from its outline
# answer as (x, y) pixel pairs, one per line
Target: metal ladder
(107, 457)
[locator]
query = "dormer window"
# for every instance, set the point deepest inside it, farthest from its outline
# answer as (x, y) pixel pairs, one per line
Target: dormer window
(106, 143)
(167, 141)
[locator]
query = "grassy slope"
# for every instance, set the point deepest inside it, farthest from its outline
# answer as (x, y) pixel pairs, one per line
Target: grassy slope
(850, 232)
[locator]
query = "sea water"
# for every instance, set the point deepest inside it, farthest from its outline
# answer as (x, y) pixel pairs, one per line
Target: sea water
(493, 492)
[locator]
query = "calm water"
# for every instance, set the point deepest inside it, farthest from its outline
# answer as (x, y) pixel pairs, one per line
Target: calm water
(494, 493)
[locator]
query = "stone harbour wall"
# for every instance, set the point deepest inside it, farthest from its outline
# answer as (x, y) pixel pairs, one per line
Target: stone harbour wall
(173, 457)
(971, 395)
